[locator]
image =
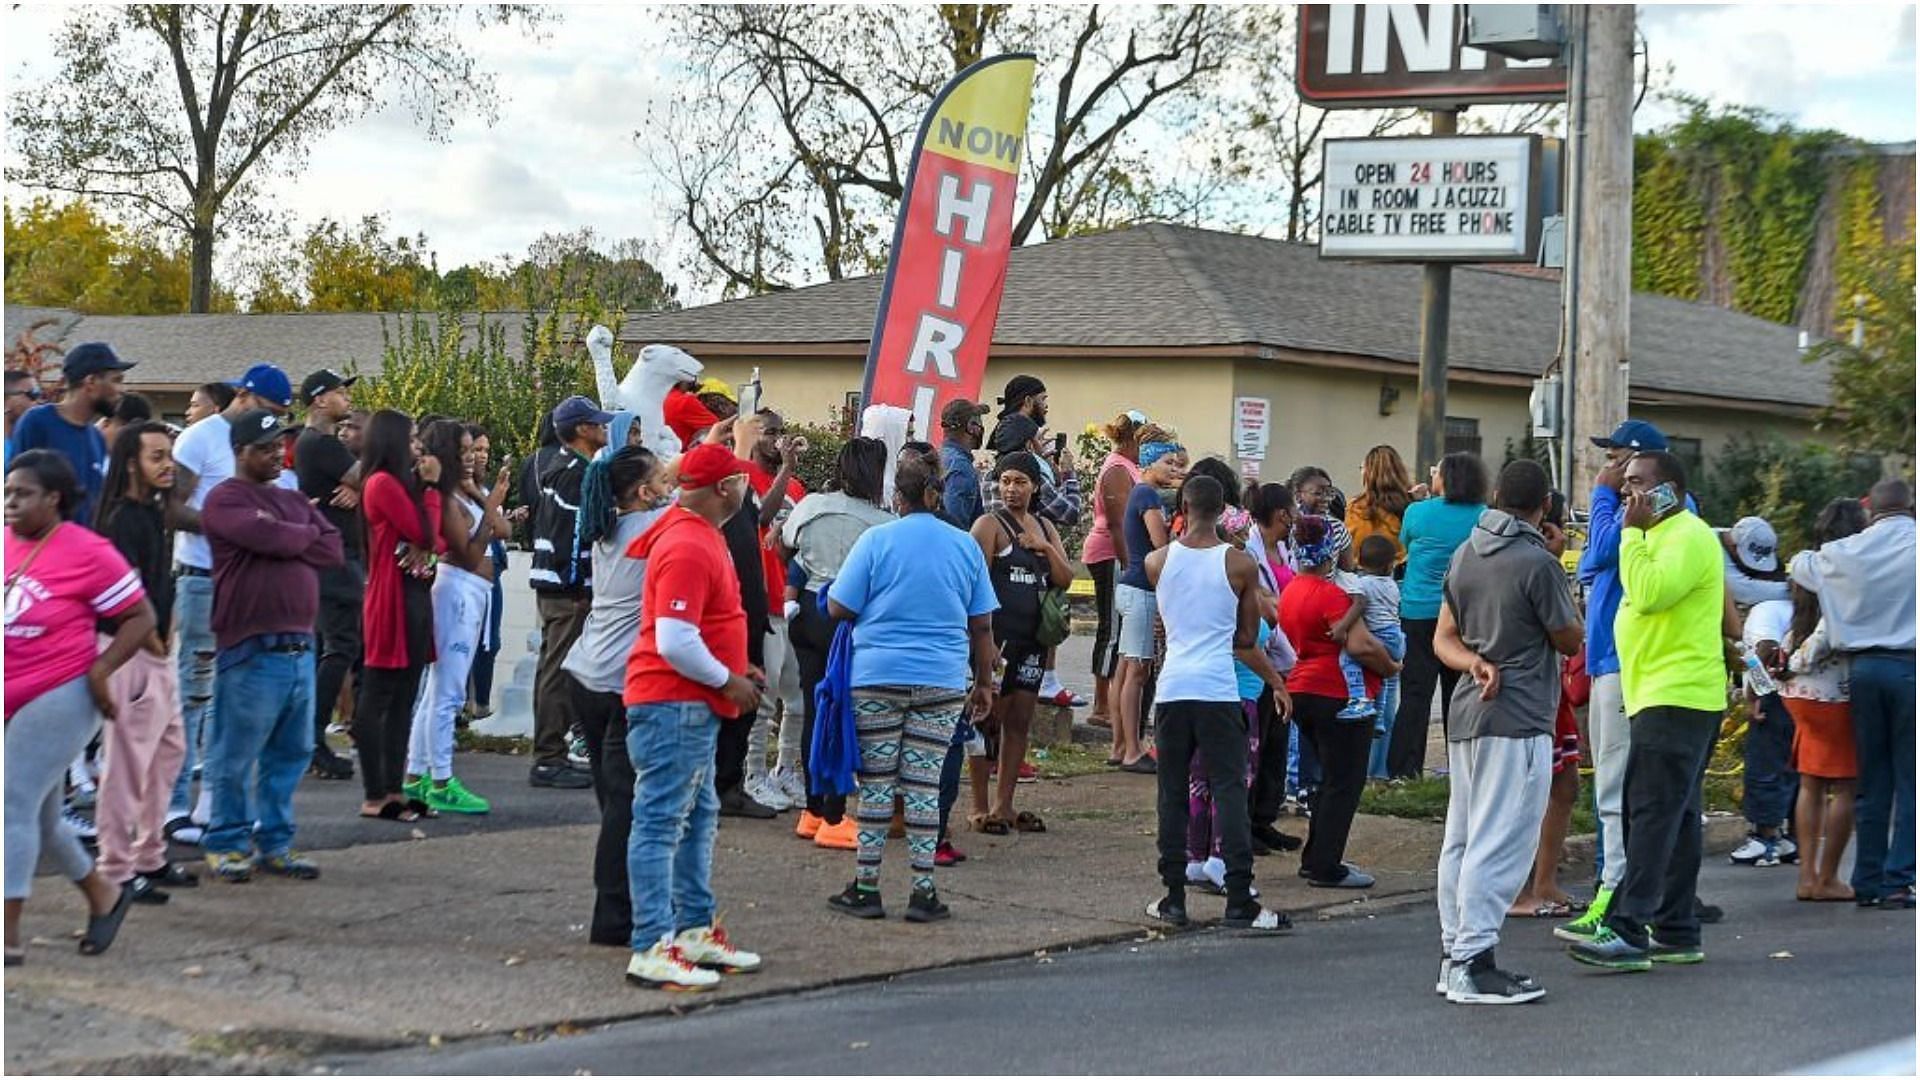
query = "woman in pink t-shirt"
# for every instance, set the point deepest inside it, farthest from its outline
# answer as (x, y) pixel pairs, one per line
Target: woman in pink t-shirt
(61, 582)
(1105, 549)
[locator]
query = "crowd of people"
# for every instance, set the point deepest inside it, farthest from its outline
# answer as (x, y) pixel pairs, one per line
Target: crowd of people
(717, 640)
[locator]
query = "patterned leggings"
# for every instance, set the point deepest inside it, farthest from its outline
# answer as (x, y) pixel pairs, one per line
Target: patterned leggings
(1203, 831)
(904, 734)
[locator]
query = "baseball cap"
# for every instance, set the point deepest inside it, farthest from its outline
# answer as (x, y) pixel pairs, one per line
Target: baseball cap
(707, 464)
(579, 409)
(323, 381)
(959, 412)
(711, 385)
(1755, 544)
(91, 358)
(1019, 389)
(1633, 435)
(268, 382)
(257, 426)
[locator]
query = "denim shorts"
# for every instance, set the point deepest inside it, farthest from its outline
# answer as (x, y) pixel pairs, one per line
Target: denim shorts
(1137, 609)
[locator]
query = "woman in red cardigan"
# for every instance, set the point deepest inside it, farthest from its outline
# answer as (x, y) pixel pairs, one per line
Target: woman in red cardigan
(402, 510)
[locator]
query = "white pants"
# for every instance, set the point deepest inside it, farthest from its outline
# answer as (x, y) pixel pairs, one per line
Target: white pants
(783, 686)
(1497, 798)
(460, 602)
(1610, 733)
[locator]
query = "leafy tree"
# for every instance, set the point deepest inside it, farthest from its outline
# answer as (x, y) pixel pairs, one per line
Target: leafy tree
(1785, 482)
(67, 255)
(1873, 381)
(361, 269)
(174, 111)
(787, 149)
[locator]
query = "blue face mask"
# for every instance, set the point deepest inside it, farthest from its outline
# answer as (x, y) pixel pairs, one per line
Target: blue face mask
(1665, 498)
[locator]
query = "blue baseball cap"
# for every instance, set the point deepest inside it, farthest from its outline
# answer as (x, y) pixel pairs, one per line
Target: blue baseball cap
(1632, 435)
(268, 383)
(91, 358)
(579, 409)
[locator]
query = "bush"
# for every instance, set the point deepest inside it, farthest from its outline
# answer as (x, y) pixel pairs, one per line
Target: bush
(1785, 482)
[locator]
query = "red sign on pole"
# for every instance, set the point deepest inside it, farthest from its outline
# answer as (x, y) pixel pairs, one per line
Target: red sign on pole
(1372, 56)
(950, 246)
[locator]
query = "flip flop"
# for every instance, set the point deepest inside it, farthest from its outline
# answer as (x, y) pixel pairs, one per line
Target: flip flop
(420, 809)
(1546, 910)
(988, 824)
(101, 929)
(1026, 821)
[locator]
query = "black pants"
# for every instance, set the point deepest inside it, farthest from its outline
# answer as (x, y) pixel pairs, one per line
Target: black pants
(382, 722)
(1105, 656)
(1343, 746)
(1270, 770)
(730, 753)
(1422, 671)
(342, 591)
(812, 636)
(562, 617)
(603, 723)
(1217, 729)
(1665, 764)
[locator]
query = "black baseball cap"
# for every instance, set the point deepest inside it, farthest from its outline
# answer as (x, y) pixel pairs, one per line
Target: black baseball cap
(324, 381)
(256, 426)
(91, 358)
(960, 412)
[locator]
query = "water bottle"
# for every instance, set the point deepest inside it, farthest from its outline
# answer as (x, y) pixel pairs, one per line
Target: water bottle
(1758, 678)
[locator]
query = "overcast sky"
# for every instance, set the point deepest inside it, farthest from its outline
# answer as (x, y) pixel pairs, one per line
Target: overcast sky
(562, 154)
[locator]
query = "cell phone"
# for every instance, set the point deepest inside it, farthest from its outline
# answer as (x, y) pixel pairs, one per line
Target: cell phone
(1059, 444)
(750, 395)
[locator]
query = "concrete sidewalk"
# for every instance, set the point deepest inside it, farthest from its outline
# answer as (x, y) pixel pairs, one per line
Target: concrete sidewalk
(419, 935)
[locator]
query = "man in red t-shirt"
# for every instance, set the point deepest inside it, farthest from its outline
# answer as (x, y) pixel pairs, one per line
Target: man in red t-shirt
(685, 414)
(770, 460)
(688, 671)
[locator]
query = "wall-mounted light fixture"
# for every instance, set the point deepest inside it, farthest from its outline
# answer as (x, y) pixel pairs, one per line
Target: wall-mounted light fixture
(1388, 396)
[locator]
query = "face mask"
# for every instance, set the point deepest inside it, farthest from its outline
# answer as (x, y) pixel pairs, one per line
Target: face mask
(1664, 499)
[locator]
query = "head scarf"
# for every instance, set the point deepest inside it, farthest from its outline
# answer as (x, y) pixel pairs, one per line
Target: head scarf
(1154, 451)
(1322, 551)
(1020, 461)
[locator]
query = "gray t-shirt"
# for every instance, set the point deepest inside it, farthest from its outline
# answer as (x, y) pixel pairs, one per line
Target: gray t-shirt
(598, 658)
(1507, 594)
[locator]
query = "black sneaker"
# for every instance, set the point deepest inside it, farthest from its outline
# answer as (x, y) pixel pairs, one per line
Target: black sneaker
(1170, 909)
(559, 776)
(858, 902)
(737, 803)
(328, 765)
(1707, 913)
(1479, 982)
(1275, 839)
(1254, 917)
(925, 906)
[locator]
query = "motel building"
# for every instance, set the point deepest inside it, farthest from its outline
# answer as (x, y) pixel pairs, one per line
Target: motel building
(1192, 326)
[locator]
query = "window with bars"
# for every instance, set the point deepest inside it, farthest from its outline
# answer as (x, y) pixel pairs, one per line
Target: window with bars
(1463, 435)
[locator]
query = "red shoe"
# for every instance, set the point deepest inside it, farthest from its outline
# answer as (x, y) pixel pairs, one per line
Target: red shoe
(1065, 699)
(1028, 774)
(947, 855)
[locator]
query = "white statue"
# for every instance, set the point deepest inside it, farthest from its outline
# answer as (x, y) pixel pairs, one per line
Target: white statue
(644, 393)
(600, 348)
(890, 424)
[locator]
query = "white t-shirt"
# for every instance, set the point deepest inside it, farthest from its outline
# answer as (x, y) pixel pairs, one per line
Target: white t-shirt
(1768, 621)
(207, 449)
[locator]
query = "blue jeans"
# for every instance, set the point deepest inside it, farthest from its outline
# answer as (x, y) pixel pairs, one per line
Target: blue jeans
(262, 731)
(1395, 641)
(950, 771)
(1771, 783)
(1883, 704)
(193, 631)
(675, 813)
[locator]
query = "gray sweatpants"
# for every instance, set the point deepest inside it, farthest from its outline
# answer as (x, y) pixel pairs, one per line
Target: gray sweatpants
(46, 734)
(1497, 798)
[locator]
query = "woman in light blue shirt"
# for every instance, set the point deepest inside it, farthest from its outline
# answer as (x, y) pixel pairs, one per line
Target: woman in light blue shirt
(1430, 531)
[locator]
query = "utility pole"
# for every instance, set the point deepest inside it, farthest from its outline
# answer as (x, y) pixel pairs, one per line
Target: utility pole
(1603, 283)
(1436, 303)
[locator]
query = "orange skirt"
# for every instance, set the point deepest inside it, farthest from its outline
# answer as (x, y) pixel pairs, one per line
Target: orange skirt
(1823, 739)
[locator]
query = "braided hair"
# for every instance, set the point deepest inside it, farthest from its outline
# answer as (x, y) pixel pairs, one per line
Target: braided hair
(600, 490)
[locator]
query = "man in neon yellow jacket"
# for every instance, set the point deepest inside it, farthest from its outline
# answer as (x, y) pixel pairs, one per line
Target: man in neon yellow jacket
(1674, 678)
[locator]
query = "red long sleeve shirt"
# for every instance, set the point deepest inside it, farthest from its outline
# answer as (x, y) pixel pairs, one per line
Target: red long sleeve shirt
(392, 519)
(269, 546)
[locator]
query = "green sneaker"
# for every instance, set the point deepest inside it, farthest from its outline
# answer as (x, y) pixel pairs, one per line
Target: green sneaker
(417, 788)
(231, 866)
(1611, 951)
(454, 798)
(1588, 924)
(1674, 954)
(288, 864)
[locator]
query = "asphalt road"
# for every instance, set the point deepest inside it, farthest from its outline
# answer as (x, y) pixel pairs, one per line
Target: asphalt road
(1336, 996)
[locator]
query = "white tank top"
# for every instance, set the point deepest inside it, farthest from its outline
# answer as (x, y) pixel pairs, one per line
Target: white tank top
(1200, 611)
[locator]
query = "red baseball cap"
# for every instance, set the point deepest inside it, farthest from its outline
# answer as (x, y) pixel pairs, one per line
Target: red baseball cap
(707, 464)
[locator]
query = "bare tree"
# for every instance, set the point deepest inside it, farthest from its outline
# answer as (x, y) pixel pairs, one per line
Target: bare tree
(787, 152)
(175, 110)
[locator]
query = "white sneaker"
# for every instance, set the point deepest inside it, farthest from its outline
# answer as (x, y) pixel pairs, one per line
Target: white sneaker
(791, 784)
(665, 967)
(1490, 986)
(1750, 853)
(765, 792)
(1446, 976)
(81, 827)
(708, 947)
(1786, 849)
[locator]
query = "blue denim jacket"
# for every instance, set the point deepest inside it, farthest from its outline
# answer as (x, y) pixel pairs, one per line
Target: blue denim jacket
(960, 486)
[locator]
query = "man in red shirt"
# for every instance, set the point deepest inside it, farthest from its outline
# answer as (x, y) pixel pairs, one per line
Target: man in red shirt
(770, 461)
(685, 413)
(688, 671)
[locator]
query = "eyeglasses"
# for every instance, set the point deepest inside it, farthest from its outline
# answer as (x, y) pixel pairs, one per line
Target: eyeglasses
(34, 394)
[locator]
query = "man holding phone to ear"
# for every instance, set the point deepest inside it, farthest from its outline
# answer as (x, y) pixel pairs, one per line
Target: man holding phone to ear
(1674, 679)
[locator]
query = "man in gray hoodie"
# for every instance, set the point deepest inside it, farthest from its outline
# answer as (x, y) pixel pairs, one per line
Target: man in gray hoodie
(1508, 612)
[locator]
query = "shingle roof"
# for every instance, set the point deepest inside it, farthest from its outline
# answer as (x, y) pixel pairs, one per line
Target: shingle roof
(1169, 285)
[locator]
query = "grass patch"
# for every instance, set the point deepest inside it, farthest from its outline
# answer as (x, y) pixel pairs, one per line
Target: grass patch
(1426, 800)
(1066, 762)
